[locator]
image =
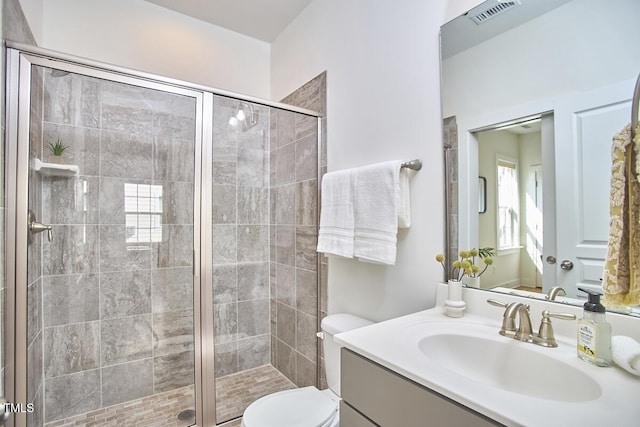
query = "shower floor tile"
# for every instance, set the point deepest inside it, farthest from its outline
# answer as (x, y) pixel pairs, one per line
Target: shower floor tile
(236, 391)
(154, 411)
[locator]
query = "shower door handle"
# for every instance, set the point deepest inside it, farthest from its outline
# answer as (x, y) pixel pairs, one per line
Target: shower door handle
(36, 227)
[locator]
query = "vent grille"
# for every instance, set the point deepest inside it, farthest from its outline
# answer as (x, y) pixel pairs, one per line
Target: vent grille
(493, 11)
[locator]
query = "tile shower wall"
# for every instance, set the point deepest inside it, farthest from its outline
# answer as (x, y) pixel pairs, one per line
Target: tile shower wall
(264, 237)
(240, 236)
(116, 289)
(294, 208)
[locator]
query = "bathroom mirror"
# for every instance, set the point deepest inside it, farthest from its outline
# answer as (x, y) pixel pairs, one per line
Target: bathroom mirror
(533, 92)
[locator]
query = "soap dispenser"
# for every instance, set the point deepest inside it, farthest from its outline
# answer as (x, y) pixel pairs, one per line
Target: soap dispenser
(594, 332)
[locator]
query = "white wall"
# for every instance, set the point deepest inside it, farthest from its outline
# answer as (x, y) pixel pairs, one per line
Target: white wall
(538, 64)
(506, 268)
(140, 35)
(33, 11)
(530, 145)
(383, 103)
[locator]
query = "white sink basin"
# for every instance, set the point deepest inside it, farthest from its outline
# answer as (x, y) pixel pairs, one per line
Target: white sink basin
(514, 383)
(476, 352)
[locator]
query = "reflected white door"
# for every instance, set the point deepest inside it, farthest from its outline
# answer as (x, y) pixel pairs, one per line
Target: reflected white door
(585, 124)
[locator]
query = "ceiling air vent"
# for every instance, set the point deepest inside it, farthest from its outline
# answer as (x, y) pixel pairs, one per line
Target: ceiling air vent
(492, 11)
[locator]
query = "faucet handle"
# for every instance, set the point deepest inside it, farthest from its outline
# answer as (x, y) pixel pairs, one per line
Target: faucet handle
(497, 303)
(545, 336)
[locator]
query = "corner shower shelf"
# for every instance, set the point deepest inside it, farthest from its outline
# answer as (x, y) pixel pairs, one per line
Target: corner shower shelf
(54, 169)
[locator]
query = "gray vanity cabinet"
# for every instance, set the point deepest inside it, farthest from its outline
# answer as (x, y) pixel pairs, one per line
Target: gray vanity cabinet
(376, 396)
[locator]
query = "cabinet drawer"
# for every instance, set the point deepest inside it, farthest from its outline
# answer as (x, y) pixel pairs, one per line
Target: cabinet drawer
(388, 399)
(349, 417)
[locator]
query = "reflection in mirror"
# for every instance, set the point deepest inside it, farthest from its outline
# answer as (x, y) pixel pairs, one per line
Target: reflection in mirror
(510, 159)
(482, 194)
(532, 98)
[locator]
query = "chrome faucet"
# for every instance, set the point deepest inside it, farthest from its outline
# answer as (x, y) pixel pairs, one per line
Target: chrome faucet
(554, 292)
(512, 309)
(524, 332)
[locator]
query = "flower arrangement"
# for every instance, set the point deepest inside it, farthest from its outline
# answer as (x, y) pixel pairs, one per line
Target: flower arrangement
(466, 265)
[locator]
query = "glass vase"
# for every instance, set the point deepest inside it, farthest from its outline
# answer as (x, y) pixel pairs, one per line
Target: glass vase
(473, 282)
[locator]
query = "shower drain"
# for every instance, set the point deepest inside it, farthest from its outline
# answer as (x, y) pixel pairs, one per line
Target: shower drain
(187, 414)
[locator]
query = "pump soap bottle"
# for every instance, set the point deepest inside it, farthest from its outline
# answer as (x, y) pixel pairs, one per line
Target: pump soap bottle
(594, 333)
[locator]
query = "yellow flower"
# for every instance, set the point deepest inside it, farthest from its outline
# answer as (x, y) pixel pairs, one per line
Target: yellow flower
(488, 260)
(465, 264)
(456, 264)
(473, 252)
(464, 254)
(468, 271)
(440, 257)
(474, 268)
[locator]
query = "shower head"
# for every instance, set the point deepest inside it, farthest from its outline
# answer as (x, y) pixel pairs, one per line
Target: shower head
(245, 114)
(251, 117)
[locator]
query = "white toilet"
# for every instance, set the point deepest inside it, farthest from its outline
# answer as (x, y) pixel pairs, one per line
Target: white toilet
(307, 406)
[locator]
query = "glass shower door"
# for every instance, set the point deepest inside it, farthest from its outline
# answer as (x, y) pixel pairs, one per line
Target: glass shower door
(110, 282)
(264, 259)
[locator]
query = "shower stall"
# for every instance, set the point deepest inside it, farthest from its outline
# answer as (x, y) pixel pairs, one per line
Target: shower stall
(162, 270)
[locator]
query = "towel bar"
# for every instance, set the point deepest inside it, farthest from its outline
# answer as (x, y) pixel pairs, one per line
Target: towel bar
(415, 164)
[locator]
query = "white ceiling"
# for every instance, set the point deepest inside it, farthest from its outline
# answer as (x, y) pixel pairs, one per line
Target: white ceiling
(462, 33)
(262, 19)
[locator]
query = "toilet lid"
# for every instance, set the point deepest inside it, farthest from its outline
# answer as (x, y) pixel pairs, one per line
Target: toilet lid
(302, 407)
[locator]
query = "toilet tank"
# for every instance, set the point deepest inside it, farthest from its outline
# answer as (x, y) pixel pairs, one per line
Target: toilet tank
(331, 325)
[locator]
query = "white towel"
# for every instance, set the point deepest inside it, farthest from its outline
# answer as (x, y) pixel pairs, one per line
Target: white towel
(626, 353)
(376, 206)
(336, 215)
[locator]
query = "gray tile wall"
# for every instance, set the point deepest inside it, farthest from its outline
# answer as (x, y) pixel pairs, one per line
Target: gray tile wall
(240, 238)
(117, 314)
(264, 237)
(294, 205)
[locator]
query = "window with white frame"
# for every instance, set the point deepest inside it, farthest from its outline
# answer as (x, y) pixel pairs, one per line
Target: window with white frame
(143, 212)
(508, 204)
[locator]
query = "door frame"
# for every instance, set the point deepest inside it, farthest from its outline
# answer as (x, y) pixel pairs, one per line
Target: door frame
(468, 127)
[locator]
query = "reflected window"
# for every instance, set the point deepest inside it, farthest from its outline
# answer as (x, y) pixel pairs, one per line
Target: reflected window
(143, 212)
(508, 205)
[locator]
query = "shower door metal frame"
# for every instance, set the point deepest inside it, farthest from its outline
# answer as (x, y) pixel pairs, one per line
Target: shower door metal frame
(19, 65)
(20, 58)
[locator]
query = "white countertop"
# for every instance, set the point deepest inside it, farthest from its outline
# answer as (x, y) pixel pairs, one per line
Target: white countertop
(387, 343)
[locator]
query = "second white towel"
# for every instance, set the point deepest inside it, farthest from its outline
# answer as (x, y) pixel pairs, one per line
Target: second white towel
(626, 353)
(377, 203)
(336, 215)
